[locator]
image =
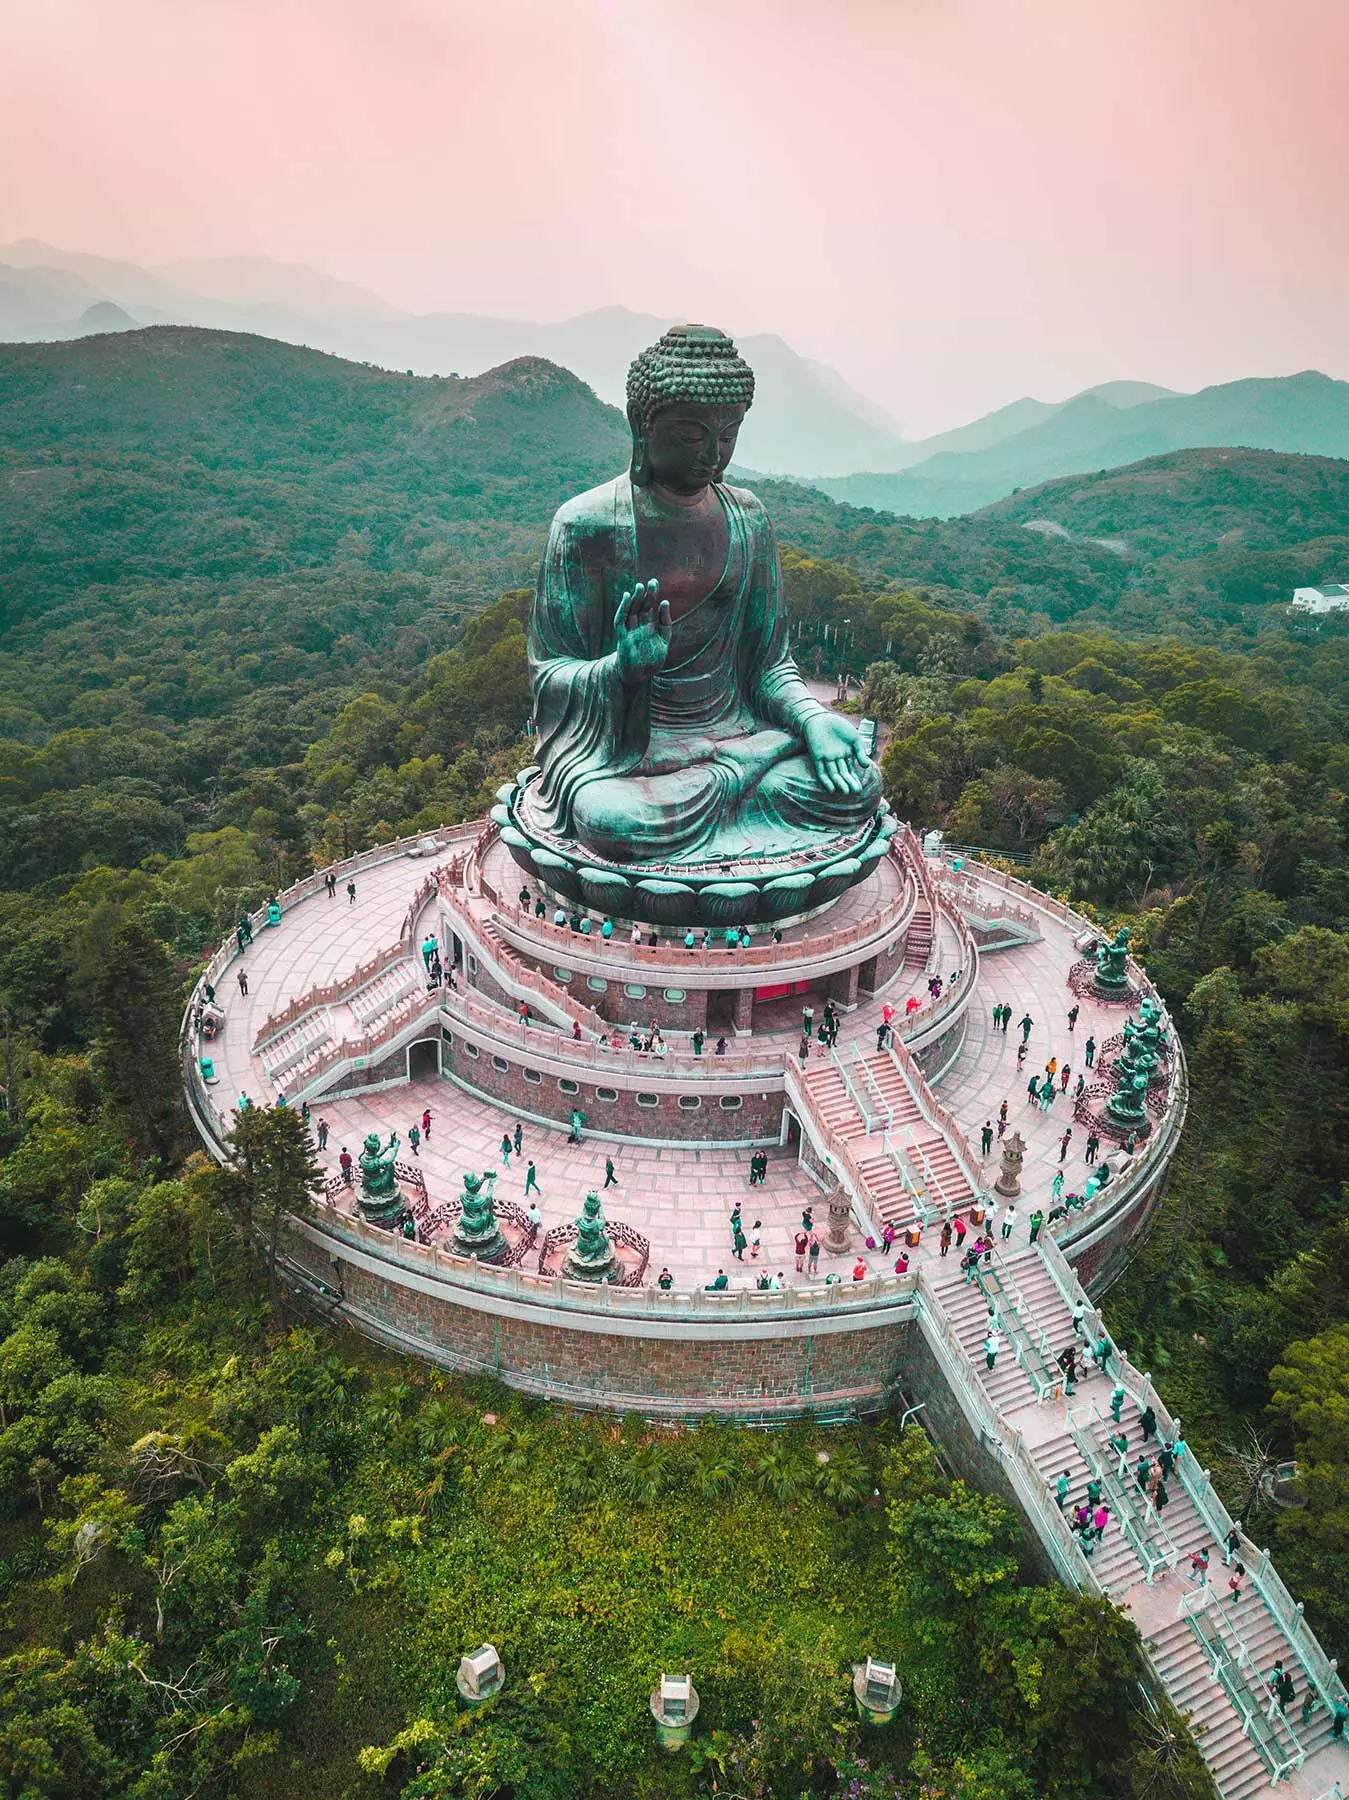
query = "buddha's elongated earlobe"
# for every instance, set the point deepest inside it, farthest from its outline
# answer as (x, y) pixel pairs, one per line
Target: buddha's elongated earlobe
(640, 467)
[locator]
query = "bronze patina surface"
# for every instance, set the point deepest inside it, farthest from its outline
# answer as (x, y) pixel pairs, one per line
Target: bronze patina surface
(677, 738)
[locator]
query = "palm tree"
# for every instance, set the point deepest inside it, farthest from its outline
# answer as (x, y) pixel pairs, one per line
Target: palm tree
(645, 1477)
(842, 1476)
(779, 1473)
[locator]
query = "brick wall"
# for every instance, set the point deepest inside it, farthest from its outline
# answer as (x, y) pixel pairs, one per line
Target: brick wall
(963, 1449)
(758, 1119)
(664, 1376)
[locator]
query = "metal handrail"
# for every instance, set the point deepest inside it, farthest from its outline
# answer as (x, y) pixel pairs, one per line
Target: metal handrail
(1009, 1280)
(1321, 1670)
(885, 1113)
(1265, 1727)
(1008, 1445)
(1153, 1560)
(899, 1162)
(1029, 1358)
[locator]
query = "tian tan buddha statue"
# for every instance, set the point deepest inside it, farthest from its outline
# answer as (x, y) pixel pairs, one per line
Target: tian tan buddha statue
(676, 735)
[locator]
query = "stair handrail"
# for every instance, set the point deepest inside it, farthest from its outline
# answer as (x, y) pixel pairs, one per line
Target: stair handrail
(936, 1114)
(1136, 1529)
(831, 1145)
(1008, 1280)
(1266, 1726)
(886, 1115)
(1023, 1345)
(849, 1088)
(1320, 1669)
(1006, 1444)
(900, 1163)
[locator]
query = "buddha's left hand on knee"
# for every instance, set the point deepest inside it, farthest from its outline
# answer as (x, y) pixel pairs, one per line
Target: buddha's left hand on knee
(836, 751)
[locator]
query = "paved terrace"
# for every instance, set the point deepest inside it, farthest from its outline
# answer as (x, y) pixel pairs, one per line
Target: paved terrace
(678, 1196)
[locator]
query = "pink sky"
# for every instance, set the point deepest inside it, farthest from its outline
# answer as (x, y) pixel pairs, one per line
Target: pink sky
(953, 201)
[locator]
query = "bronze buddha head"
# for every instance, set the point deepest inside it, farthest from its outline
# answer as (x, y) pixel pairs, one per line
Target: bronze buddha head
(687, 397)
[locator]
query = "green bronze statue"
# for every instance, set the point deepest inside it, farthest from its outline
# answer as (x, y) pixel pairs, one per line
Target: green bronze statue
(592, 1257)
(379, 1198)
(1112, 976)
(477, 1232)
(1127, 1106)
(674, 727)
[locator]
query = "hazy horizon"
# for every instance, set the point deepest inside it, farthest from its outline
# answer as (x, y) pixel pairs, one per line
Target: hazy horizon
(954, 206)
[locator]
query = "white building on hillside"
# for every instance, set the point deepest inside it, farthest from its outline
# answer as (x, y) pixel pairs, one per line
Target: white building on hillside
(1331, 596)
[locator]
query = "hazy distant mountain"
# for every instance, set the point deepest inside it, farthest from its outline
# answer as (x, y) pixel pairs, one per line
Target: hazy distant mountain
(259, 281)
(1306, 413)
(806, 419)
(103, 315)
(32, 299)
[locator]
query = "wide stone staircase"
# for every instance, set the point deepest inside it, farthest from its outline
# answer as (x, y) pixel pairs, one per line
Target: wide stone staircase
(378, 997)
(918, 944)
(1212, 1655)
(873, 1110)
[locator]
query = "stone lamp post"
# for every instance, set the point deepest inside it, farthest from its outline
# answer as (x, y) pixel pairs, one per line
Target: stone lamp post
(1008, 1183)
(481, 1674)
(674, 1707)
(876, 1691)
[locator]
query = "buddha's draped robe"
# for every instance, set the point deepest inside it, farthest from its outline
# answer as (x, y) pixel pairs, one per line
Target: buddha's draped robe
(704, 761)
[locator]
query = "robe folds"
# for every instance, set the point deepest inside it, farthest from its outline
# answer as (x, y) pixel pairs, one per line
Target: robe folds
(703, 762)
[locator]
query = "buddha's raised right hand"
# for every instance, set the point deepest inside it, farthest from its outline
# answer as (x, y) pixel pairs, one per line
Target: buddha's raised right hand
(642, 627)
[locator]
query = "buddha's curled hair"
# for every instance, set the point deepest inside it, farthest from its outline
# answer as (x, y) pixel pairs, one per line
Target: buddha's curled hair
(695, 364)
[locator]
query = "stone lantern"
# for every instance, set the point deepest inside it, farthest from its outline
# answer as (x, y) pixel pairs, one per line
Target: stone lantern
(674, 1707)
(1008, 1183)
(876, 1691)
(481, 1674)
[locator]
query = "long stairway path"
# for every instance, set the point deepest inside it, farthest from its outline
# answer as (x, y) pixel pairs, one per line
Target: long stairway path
(1212, 1654)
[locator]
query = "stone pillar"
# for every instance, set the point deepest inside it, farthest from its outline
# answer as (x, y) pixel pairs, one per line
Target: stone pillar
(843, 986)
(744, 1012)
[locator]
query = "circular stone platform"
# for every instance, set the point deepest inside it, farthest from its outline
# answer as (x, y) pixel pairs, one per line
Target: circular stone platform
(864, 1138)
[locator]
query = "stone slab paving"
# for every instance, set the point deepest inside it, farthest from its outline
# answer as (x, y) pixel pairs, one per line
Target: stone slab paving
(679, 1196)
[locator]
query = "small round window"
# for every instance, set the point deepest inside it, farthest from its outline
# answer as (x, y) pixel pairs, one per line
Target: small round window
(563, 975)
(533, 1077)
(596, 983)
(647, 1100)
(568, 1087)
(500, 1064)
(607, 1094)
(635, 991)
(674, 995)
(471, 1050)
(731, 1102)
(689, 1103)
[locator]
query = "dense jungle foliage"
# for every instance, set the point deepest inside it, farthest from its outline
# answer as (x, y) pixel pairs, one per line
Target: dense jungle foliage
(260, 606)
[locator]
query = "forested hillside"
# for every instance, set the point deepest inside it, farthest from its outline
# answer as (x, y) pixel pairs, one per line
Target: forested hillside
(259, 615)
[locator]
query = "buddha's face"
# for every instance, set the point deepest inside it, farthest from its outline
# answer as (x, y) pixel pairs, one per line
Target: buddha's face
(689, 446)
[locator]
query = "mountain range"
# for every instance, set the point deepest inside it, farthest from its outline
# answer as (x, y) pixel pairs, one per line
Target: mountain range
(806, 419)
(807, 422)
(1306, 414)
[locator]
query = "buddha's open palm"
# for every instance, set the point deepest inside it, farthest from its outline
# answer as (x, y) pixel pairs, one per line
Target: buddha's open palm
(642, 627)
(836, 752)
